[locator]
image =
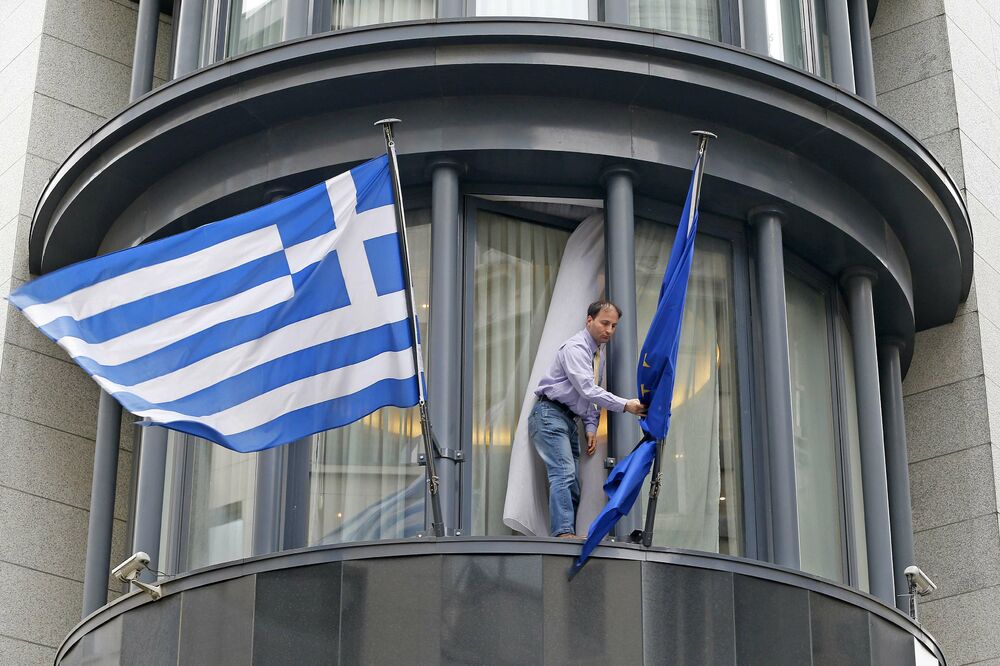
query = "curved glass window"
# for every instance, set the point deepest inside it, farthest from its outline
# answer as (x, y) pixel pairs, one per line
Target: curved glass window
(699, 18)
(797, 33)
(254, 24)
(700, 502)
(571, 9)
(353, 13)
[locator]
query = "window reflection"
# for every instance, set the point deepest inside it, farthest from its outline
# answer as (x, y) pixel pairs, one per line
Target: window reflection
(700, 503)
(699, 18)
(254, 24)
(571, 9)
(353, 13)
(856, 500)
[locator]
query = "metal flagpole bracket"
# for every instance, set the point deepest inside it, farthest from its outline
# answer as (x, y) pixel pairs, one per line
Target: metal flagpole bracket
(437, 522)
(610, 462)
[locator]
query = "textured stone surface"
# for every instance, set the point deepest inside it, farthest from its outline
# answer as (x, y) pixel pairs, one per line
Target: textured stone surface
(945, 355)
(22, 333)
(13, 651)
(17, 79)
(895, 14)
(57, 128)
(11, 180)
(910, 54)
(42, 534)
(971, 18)
(947, 148)
(103, 27)
(36, 606)
(960, 557)
(985, 229)
(988, 280)
(993, 409)
(14, 133)
(983, 177)
(952, 488)
(37, 172)
(925, 108)
(82, 78)
(966, 625)
(972, 65)
(19, 28)
(946, 419)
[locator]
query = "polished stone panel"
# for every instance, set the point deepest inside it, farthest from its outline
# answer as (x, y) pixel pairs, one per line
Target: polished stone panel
(494, 607)
(772, 623)
(889, 644)
(297, 611)
(592, 619)
(391, 611)
(217, 623)
(101, 647)
(687, 616)
(150, 633)
(839, 632)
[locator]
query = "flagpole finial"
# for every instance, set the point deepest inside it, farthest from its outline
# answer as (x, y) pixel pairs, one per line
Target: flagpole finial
(705, 133)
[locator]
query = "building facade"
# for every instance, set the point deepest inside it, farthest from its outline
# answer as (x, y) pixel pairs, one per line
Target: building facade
(836, 371)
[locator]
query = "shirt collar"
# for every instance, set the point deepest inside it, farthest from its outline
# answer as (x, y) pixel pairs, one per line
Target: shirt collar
(591, 342)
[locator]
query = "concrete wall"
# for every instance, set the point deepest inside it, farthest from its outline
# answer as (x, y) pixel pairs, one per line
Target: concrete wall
(936, 70)
(65, 67)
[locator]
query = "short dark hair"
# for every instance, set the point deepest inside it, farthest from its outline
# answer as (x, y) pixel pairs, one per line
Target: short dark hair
(595, 308)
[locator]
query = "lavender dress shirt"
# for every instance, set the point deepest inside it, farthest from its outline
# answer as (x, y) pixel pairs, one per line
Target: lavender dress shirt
(570, 381)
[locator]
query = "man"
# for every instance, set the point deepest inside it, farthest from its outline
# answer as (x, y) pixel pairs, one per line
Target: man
(570, 390)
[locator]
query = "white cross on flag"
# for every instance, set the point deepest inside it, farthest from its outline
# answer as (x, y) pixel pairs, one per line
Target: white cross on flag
(251, 332)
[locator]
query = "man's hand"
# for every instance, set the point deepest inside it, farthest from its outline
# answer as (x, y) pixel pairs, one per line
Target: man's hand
(591, 443)
(633, 406)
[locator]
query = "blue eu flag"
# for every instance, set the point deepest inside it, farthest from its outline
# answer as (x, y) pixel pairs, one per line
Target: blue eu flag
(655, 379)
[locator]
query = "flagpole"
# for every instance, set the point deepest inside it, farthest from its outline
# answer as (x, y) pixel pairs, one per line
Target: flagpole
(657, 476)
(418, 362)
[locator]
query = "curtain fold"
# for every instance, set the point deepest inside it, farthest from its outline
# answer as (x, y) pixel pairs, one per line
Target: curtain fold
(699, 18)
(572, 9)
(354, 13)
(254, 24)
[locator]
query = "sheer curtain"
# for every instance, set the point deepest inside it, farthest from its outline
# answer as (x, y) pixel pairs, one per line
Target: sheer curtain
(700, 501)
(254, 24)
(699, 18)
(572, 9)
(516, 266)
(353, 13)
(821, 547)
(365, 483)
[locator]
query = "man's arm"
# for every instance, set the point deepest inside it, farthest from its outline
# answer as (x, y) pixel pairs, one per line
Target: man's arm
(579, 368)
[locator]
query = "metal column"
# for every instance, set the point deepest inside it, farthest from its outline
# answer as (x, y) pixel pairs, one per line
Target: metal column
(149, 496)
(188, 31)
(298, 463)
(861, 49)
(267, 501)
(296, 19)
(144, 57)
(842, 61)
(102, 505)
(450, 8)
(623, 352)
(858, 287)
(444, 383)
(896, 467)
(770, 266)
(755, 26)
(616, 11)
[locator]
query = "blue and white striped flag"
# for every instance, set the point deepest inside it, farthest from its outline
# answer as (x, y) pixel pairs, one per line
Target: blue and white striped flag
(251, 332)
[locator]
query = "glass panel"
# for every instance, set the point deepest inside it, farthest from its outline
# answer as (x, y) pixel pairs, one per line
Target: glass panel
(516, 267)
(571, 9)
(857, 500)
(353, 13)
(700, 501)
(824, 65)
(219, 526)
(821, 546)
(365, 483)
(699, 18)
(786, 31)
(254, 24)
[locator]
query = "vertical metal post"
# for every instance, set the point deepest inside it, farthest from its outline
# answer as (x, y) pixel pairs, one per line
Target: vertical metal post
(149, 497)
(770, 266)
(425, 419)
(267, 501)
(623, 353)
(298, 460)
(858, 287)
(188, 31)
(102, 505)
(446, 327)
(755, 26)
(890, 381)
(295, 23)
(842, 61)
(861, 49)
(144, 56)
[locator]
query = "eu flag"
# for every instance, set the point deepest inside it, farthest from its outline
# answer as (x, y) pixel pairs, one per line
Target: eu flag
(655, 377)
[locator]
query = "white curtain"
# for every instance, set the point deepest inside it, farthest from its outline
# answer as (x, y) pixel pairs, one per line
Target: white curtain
(572, 9)
(254, 24)
(353, 13)
(580, 282)
(699, 18)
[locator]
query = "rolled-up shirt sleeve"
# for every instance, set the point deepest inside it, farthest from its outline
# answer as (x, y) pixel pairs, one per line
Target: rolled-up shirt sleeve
(580, 372)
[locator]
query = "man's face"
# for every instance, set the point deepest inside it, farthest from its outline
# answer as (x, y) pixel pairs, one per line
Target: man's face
(603, 326)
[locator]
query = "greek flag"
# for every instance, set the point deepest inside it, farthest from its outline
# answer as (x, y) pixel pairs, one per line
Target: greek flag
(251, 332)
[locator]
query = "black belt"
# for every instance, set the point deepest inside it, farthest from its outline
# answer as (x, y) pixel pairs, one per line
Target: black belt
(561, 406)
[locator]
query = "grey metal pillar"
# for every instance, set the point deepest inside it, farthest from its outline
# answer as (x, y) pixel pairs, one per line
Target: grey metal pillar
(450, 9)
(149, 496)
(770, 264)
(144, 57)
(842, 62)
(444, 384)
(616, 11)
(298, 462)
(755, 26)
(296, 19)
(858, 287)
(187, 26)
(267, 501)
(623, 353)
(861, 49)
(102, 505)
(890, 382)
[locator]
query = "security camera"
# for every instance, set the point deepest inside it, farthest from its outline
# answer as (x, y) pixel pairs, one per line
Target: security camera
(128, 572)
(919, 582)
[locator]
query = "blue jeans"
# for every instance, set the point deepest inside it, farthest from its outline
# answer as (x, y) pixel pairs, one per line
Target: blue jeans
(554, 435)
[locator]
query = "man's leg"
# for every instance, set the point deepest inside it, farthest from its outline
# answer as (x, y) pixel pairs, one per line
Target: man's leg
(550, 435)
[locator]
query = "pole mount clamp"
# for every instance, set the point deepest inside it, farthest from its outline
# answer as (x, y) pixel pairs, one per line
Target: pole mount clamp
(451, 454)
